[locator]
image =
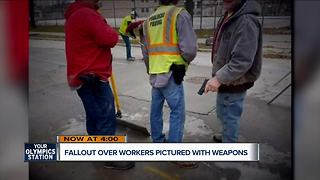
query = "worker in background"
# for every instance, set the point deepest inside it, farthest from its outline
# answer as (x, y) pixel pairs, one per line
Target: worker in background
(170, 44)
(139, 26)
(125, 35)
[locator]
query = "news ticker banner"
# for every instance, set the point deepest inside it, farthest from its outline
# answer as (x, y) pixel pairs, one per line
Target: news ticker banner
(115, 148)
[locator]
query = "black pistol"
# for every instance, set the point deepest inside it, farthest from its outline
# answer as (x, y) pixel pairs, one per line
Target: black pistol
(203, 86)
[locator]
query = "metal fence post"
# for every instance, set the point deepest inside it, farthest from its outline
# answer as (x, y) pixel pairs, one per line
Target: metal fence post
(201, 9)
(189, 5)
(31, 11)
(114, 14)
(262, 14)
(215, 14)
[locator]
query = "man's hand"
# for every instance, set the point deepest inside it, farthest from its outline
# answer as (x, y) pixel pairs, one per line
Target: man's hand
(212, 85)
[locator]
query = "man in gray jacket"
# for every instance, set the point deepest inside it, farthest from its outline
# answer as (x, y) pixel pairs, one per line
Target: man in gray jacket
(236, 58)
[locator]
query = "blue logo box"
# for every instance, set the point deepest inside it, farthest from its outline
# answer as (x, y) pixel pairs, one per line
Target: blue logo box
(40, 152)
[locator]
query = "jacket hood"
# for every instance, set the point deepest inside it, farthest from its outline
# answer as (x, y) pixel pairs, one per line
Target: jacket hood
(75, 7)
(249, 7)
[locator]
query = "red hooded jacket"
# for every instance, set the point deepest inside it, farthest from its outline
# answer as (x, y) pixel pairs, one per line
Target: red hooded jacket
(89, 40)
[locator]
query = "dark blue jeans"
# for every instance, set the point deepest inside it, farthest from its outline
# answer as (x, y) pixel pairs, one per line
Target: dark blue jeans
(100, 110)
(128, 45)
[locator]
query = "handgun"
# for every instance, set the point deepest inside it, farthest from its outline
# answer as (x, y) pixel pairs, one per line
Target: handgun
(203, 86)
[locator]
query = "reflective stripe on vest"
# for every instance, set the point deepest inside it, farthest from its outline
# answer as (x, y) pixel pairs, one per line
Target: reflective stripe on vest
(168, 29)
(159, 49)
(163, 48)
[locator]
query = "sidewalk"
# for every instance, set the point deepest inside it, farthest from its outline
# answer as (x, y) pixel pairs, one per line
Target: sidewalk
(207, 22)
(274, 46)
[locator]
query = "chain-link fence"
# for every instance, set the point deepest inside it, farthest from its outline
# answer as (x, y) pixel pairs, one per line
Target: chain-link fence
(205, 12)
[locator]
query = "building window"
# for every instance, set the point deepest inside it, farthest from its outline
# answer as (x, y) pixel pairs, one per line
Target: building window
(146, 0)
(142, 10)
(155, 1)
(147, 10)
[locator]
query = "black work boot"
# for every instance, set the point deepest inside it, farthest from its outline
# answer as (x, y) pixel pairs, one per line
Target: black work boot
(217, 138)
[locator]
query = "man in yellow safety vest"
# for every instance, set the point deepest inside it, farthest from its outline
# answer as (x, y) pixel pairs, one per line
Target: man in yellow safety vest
(170, 44)
(125, 35)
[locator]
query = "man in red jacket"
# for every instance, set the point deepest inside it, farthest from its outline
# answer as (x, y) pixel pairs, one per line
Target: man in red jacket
(89, 40)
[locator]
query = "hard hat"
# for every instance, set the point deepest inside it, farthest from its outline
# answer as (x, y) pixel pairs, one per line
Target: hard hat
(133, 13)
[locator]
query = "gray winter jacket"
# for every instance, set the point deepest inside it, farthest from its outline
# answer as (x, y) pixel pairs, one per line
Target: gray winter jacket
(239, 56)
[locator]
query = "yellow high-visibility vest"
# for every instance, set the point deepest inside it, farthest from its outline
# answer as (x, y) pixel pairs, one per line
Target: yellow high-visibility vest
(162, 39)
(124, 24)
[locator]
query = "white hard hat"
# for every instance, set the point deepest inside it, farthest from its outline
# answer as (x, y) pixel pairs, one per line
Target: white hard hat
(133, 13)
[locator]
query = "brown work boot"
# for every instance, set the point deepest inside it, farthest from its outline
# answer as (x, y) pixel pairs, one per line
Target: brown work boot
(184, 164)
